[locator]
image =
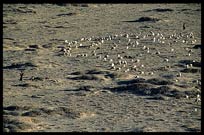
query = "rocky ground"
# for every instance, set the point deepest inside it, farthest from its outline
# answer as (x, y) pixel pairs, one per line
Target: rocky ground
(102, 67)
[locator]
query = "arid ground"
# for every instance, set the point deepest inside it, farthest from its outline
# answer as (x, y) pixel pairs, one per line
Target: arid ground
(102, 67)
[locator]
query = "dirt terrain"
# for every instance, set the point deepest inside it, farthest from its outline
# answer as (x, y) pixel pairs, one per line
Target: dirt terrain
(101, 67)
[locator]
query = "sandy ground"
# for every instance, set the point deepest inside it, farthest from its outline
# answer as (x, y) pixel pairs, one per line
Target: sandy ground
(102, 67)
